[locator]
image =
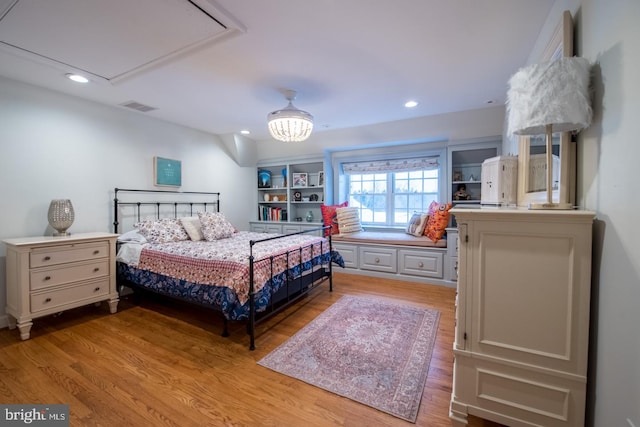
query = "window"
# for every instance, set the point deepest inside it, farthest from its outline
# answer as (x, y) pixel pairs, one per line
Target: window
(387, 193)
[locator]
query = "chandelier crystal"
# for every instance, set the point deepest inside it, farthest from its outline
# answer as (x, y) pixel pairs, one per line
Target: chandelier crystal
(290, 124)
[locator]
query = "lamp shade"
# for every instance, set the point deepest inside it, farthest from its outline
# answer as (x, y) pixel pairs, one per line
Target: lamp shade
(61, 216)
(551, 93)
(290, 124)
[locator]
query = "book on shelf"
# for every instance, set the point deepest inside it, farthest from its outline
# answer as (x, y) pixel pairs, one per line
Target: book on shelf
(268, 213)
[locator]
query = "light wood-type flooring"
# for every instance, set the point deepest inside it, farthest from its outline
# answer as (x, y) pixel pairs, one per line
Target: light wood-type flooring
(163, 363)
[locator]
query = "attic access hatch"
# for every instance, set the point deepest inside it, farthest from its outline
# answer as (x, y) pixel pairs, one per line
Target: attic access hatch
(112, 39)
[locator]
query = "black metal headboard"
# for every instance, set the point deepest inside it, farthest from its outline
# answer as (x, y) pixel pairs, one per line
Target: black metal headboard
(162, 203)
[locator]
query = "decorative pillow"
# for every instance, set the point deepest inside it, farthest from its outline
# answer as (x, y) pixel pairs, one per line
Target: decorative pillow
(162, 230)
(215, 226)
(329, 217)
(193, 228)
(348, 220)
(438, 220)
(416, 224)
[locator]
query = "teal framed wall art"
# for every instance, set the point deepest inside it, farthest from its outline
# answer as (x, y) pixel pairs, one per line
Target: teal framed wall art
(167, 172)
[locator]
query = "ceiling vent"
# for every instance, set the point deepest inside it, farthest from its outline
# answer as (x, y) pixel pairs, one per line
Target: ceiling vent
(137, 106)
(105, 38)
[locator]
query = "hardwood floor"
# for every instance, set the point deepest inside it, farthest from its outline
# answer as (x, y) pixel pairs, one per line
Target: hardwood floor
(165, 364)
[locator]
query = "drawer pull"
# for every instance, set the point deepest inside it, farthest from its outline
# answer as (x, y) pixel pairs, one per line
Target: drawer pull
(377, 260)
(95, 270)
(47, 278)
(47, 300)
(96, 252)
(96, 289)
(47, 258)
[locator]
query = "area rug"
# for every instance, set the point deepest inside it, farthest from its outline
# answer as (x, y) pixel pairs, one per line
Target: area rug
(367, 349)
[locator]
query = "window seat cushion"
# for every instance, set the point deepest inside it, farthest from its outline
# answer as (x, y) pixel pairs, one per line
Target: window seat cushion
(389, 238)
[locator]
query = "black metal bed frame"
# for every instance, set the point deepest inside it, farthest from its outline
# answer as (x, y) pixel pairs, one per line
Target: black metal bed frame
(290, 293)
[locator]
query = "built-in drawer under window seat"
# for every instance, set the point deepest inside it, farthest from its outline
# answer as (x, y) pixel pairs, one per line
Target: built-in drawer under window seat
(397, 255)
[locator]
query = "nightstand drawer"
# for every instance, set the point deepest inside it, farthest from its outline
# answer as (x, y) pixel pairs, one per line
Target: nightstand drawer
(68, 253)
(378, 259)
(59, 297)
(47, 277)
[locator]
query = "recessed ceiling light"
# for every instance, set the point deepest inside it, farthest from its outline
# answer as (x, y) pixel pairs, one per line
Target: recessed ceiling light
(77, 78)
(245, 132)
(410, 104)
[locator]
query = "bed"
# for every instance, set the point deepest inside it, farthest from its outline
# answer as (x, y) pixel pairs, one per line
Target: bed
(178, 244)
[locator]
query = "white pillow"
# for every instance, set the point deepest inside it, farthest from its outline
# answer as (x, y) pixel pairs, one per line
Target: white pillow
(193, 228)
(348, 220)
(132, 236)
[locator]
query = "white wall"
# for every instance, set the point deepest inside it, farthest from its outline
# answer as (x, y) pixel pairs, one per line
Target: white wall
(57, 146)
(609, 153)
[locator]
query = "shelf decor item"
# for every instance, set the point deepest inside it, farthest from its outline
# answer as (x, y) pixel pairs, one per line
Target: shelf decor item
(264, 179)
(290, 124)
(61, 216)
(299, 180)
(550, 97)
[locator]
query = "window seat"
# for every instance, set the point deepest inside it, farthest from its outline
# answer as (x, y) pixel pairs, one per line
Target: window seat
(389, 238)
(401, 256)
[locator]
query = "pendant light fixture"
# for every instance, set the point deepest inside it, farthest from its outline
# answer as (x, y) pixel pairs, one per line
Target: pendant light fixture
(290, 124)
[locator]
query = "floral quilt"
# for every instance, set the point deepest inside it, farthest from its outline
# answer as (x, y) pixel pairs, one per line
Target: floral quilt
(217, 272)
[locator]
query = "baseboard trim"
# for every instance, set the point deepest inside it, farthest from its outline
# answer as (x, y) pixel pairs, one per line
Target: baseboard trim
(397, 276)
(4, 322)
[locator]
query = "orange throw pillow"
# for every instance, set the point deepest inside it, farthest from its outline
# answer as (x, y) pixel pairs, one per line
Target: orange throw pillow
(438, 220)
(330, 217)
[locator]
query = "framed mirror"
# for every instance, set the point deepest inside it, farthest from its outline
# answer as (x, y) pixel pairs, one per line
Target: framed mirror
(532, 170)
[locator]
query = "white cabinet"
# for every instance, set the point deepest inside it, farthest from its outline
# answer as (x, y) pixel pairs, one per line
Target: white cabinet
(265, 227)
(522, 316)
(283, 227)
(499, 178)
(48, 274)
(403, 262)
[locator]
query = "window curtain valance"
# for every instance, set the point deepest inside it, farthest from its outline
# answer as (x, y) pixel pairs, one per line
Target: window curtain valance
(396, 165)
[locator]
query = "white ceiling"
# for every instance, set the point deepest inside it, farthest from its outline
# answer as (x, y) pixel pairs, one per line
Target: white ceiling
(352, 62)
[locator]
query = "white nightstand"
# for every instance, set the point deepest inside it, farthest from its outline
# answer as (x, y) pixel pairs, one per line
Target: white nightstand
(48, 274)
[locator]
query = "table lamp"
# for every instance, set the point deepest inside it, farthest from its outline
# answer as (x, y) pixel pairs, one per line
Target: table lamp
(550, 97)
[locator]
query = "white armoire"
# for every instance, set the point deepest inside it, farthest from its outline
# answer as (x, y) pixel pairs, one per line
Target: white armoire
(522, 316)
